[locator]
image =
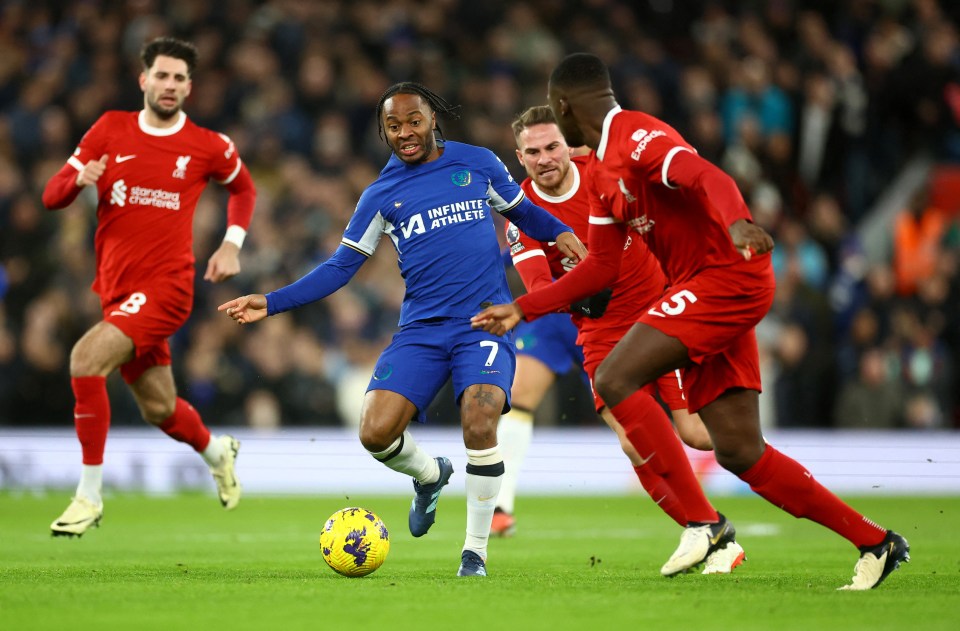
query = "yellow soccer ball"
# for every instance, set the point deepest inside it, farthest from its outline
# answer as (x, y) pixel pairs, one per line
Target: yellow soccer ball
(354, 542)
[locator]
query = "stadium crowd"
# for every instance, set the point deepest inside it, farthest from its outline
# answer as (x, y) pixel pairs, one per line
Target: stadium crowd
(813, 108)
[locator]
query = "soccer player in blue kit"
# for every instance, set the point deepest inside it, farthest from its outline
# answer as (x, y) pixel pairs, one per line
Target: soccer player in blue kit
(434, 200)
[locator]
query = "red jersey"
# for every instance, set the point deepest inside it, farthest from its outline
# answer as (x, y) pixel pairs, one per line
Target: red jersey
(635, 180)
(538, 263)
(147, 196)
(645, 179)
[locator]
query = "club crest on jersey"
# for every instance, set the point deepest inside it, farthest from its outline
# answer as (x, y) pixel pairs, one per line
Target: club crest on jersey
(626, 193)
(181, 170)
(461, 178)
(641, 224)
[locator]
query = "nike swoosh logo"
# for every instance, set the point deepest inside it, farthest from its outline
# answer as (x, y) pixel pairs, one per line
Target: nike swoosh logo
(486, 498)
(125, 158)
(83, 415)
(74, 523)
(715, 539)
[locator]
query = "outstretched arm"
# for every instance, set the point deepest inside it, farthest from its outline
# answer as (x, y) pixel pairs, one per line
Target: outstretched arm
(246, 309)
(538, 224)
(596, 272)
(325, 279)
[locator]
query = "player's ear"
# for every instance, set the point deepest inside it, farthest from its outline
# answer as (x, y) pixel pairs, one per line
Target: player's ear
(143, 81)
(520, 157)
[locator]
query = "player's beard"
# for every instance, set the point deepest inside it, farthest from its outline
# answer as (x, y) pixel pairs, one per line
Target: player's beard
(429, 145)
(161, 112)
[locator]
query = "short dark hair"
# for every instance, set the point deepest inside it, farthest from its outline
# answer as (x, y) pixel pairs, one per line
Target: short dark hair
(536, 115)
(580, 69)
(169, 47)
(436, 102)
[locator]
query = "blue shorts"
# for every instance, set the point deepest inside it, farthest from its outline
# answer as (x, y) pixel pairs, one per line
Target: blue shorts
(423, 355)
(552, 340)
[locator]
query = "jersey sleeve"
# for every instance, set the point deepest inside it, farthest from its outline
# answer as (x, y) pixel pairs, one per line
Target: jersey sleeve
(225, 163)
(593, 274)
(62, 189)
(366, 226)
(717, 189)
(529, 259)
(93, 144)
(503, 191)
(650, 158)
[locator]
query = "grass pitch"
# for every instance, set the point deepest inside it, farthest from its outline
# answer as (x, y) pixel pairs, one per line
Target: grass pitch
(575, 563)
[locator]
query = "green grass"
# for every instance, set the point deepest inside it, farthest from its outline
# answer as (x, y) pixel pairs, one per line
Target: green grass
(576, 563)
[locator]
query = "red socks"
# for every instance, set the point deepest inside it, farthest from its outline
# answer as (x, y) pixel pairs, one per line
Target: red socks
(91, 416)
(661, 493)
(186, 426)
(649, 431)
(784, 482)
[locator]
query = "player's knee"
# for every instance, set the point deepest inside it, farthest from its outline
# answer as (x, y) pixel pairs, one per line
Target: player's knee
(736, 456)
(370, 440)
(81, 364)
(156, 411)
(610, 386)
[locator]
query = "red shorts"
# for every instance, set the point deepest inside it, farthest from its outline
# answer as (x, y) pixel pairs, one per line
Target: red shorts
(149, 317)
(714, 315)
(597, 347)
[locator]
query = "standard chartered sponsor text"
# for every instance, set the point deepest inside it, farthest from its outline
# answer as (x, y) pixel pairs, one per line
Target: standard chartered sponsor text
(154, 197)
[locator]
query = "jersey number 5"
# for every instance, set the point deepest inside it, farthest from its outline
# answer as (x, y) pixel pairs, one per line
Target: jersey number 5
(676, 304)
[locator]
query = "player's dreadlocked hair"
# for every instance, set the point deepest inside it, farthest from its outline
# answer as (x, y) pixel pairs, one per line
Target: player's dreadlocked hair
(580, 69)
(170, 47)
(437, 102)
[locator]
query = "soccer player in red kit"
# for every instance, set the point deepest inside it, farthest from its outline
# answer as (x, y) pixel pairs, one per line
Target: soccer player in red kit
(558, 183)
(646, 180)
(149, 169)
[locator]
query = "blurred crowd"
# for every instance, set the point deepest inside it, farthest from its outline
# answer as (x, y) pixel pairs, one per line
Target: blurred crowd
(813, 108)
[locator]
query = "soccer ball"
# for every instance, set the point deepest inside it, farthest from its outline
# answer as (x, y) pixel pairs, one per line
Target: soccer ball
(354, 542)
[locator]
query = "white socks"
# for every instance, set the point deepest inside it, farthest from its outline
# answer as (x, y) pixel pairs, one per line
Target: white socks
(213, 454)
(514, 433)
(405, 456)
(91, 482)
(484, 476)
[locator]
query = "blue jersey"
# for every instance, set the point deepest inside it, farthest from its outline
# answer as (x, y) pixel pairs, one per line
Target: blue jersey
(438, 215)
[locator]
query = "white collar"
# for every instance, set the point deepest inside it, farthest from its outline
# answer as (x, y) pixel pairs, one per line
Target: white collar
(561, 198)
(605, 132)
(161, 131)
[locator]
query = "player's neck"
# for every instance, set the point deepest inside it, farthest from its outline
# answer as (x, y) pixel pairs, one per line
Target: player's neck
(150, 118)
(563, 187)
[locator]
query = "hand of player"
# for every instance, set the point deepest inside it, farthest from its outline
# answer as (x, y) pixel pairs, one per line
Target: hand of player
(246, 309)
(92, 171)
(224, 263)
(750, 238)
(571, 246)
(498, 319)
